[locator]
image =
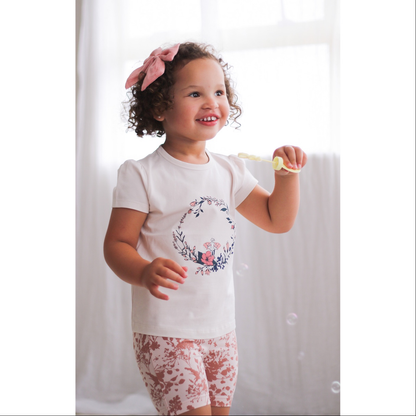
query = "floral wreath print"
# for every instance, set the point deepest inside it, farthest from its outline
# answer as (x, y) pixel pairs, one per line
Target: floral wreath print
(213, 256)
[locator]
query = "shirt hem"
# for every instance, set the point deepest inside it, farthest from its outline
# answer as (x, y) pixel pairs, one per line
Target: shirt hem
(174, 333)
(131, 205)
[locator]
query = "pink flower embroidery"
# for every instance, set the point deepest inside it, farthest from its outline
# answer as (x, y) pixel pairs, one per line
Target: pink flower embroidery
(207, 258)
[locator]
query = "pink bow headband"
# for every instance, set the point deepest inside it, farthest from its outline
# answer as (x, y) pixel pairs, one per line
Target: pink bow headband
(153, 66)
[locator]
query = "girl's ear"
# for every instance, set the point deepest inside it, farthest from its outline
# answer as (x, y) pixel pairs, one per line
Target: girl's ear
(159, 118)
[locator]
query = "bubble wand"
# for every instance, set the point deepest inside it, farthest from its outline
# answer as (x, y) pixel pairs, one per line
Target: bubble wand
(277, 162)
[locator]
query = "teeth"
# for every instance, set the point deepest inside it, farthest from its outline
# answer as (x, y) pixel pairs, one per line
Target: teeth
(209, 119)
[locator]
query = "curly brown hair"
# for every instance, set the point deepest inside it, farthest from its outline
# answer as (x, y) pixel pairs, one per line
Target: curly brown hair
(142, 106)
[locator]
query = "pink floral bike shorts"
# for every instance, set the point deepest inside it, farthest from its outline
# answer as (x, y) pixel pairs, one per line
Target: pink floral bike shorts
(184, 374)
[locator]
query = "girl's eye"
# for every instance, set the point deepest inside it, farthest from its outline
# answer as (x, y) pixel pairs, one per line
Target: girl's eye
(194, 94)
(220, 92)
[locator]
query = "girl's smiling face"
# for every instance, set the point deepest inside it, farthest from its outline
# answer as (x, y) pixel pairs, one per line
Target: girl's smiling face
(200, 105)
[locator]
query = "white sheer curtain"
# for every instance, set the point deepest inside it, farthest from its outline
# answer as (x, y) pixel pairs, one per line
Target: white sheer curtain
(284, 56)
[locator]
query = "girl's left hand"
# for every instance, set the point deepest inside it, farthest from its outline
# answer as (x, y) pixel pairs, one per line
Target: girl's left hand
(293, 157)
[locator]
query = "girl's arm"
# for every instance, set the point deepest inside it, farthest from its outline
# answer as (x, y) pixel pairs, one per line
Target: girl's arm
(276, 212)
(121, 255)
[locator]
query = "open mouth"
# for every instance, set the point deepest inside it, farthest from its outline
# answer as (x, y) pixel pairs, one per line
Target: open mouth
(212, 118)
(208, 121)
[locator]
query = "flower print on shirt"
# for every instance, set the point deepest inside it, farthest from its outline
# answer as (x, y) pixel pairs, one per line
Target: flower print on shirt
(211, 257)
(207, 258)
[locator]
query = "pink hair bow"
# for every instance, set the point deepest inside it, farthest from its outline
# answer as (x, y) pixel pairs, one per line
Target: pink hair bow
(153, 66)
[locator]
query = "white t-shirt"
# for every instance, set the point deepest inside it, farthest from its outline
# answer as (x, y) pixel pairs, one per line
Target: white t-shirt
(191, 220)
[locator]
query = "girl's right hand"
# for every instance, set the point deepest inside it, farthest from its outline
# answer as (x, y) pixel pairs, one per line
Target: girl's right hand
(162, 273)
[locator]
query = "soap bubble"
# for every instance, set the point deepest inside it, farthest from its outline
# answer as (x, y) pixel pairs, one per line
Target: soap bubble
(291, 319)
(335, 387)
(242, 269)
(301, 356)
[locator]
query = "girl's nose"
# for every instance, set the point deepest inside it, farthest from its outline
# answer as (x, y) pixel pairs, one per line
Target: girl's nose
(211, 102)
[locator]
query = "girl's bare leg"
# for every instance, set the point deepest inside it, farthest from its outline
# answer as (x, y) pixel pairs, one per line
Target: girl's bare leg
(200, 411)
(220, 411)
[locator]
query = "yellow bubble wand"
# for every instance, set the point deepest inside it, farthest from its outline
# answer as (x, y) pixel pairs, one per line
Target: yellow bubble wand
(277, 162)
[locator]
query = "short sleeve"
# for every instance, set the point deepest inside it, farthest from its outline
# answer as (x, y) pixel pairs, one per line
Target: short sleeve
(244, 181)
(131, 190)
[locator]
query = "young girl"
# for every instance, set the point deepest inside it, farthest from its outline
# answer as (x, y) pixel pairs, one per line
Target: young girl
(172, 229)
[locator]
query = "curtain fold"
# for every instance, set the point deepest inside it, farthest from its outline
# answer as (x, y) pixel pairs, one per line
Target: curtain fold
(102, 312)
(287, 297)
